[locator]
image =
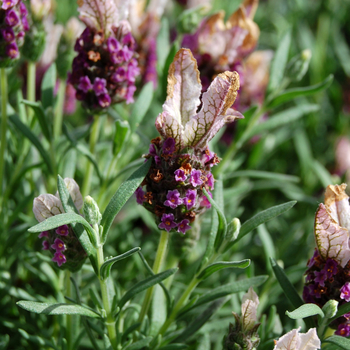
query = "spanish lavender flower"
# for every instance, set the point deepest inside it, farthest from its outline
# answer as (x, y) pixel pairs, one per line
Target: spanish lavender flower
(61, 239)
(167, 222)
(294, 340)
(328, 270)
(106, 56)
(181, 166)
(14, 23)
(173, 199)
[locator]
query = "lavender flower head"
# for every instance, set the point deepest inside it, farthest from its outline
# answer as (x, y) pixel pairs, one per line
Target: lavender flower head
(67, 251)
(104, 71)
(13, 24)
(181, 159)
(328, 270)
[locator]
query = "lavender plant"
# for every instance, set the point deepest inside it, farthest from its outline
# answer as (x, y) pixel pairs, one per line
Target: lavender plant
(167, 238)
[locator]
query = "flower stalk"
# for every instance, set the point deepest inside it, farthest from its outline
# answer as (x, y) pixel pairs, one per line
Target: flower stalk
(4, 98)
(69, 324)
(57, 128)
(31, 71)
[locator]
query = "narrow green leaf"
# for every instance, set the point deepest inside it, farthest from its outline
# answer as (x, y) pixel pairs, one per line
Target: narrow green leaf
(129, 330)
(341, 48)
(107, 343)
(124, 192)
(174, 347)
(141, 106)
(290, 94)
(227, 289)
(279, 62)
(83, 149)
(41, 116)
(222, 222)
(43, 343)
(78, 229)
(107, 265)
(305, 310)
(199, 321)
(282, 118)
(289, 289)
(322, 173)
(56, 309)
(219, 265)
(33, 139)
(145, 284)
(139, 344)
(122, 129)
(48, 87)
(343, 343)
(342, 310)
(163, 44)
(263, 175)
(263, 217)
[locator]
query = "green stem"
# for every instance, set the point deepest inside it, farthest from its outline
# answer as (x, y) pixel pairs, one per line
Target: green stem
(4, 98)
(69, 325)
(31, 69)
(89, 169)
(161, 251)
(57, 127)
(235, 146)
(110, 320)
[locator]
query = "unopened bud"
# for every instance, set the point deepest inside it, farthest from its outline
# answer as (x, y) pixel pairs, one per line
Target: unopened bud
(330, 308)
(40, 9)
(233, 230)
(298, 65)
(91, 211)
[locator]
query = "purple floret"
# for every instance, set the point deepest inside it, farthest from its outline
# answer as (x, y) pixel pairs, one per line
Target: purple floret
(140, 195)
(168, 146)
(173, 199)
(210, 181)
(345, 292)
(100, 86)
(85, 84)
(180, 175)
(59, 258)
(8, 34)
(58, 245)
(167, 222)
(343, 330)
(331, 267)
(190, 199)
(104, 100)
(62, 230)
(46, 245)
(183, 226)
(119, 75)
(129, 97)
(205, 202)
(321, 277)
(11, 18)
(44, 234)
(112, 44)
(12, 50)
(152, 150)
(8, 4)
(196, 178)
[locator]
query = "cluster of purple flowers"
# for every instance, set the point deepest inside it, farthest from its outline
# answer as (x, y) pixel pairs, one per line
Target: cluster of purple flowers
(326, 280)
(13, 24)
(174, 184)
(65, 247)
(105, 69)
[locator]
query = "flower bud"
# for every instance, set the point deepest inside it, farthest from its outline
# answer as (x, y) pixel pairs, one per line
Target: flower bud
(233, 229)
(40, 9)
(91, 211)
(298, 66)
(330, 308)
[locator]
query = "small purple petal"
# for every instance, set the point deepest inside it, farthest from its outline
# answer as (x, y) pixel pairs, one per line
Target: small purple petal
(167, 222)
(11, 18)
(44, 234)
(58, 245)
(158, 160)
(25, 24)
(173, 199)
(205, 202)
(104, 100)
(85, 84)
(331, 267)
(140, 195)
(168, 146)
(183, 226)
(112, 44)
(117, 57)
(8, 34)
(152, 150)
(196, 178)
(343, 330)
(22, 9)
(190, 199)
(119, 75)
(345, 292)
(59, 258)
(8, 3)
(46, 245)
(130, 94)
(210, 181)
(100, 86)
(321, 277)
(62, 230)
(12, 50)
(180, 175)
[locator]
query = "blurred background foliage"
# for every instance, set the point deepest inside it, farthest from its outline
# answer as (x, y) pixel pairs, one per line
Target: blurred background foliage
(294, 161)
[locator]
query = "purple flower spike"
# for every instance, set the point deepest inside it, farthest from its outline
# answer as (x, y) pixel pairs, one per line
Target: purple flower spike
(167, 222)
(104, 100)
(140, 195)
(8, 34)
(173, 199)
(85, 84)
(22, 9)
(12, 50)
(130, 94)
(59, 258)
(345, 292)
(157, 160)
(100, 86)
(117, 57)
(44, 234)
(190, 199)
(343, 330)
(331, 267)
(180, 175)
(321, 277)
(58, 245)
(62, 230)
(46, 245)
(169, 146)
(11, 18)
(112, 44)
(205, 202)
(133, 71)
(183, 226)
(119, 75)
(128, 40)
(25, 23)
(210, 181)
(8, 4)
(196, 178)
